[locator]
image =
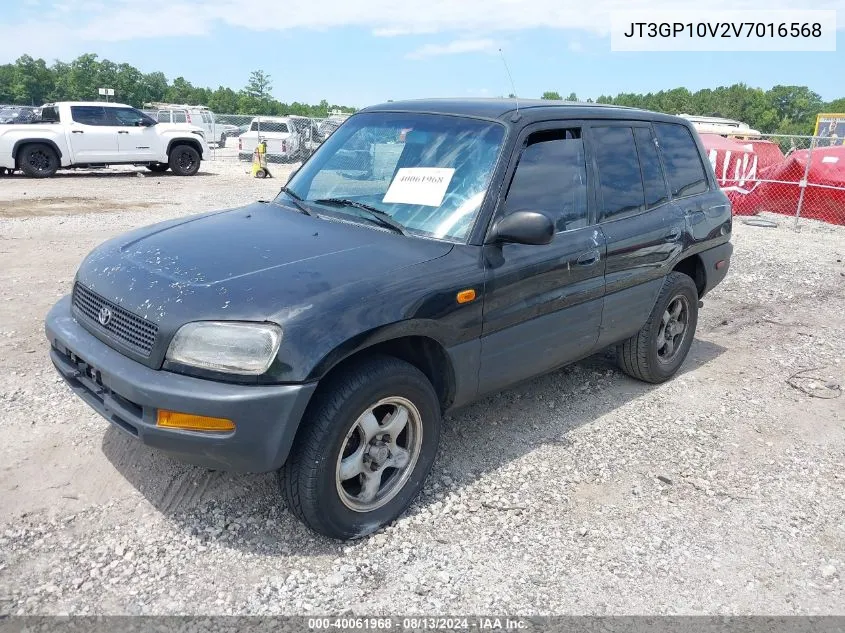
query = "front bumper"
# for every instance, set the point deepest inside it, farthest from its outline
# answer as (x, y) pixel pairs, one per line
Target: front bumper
(129, 396)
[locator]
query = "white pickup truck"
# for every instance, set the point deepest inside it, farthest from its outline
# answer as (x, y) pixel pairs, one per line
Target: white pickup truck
(93, 134)
(284, 136)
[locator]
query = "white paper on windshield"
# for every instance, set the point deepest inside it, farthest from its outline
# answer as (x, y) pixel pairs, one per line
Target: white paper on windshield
(420, 185)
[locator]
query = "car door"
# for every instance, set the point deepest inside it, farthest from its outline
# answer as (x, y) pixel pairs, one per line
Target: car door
(543, 304)
(93, 137)
(137, 139)
(643, 227)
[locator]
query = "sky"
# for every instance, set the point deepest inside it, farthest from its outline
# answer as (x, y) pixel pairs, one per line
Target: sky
(360, 52)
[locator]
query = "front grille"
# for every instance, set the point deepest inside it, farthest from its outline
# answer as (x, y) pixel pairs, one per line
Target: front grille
(134, 332)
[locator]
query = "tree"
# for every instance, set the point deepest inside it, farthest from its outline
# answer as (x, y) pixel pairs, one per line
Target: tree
(259, 85)
(551, 95)
(31, 81)
(572, 97)
(797, 104)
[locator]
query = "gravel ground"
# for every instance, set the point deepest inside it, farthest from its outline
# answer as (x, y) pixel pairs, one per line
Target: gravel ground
(584, 491)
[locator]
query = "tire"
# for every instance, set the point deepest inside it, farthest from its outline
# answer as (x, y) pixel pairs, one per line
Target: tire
(184, 160)
(221, 143)
(158, 167)
(38, 160)
(261, 173)
(650, 355)
(338, 425)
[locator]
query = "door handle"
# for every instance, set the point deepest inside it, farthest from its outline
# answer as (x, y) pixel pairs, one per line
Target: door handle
(674, 236)
(78, 131)
(122, 132)
(589, 258)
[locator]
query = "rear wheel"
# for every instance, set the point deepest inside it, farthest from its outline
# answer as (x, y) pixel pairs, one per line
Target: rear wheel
(659, 349)
(364, 450)
(158, 167)
(184, 160)
(38, 160)
(222, 142)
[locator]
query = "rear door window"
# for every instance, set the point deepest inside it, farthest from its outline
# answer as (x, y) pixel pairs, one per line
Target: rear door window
(180, 117)
(684, 167)
(89, 115)
(620, 179)
(164, 116)
(654, 183)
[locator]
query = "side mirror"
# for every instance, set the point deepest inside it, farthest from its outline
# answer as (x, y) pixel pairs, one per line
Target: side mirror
(523, 227)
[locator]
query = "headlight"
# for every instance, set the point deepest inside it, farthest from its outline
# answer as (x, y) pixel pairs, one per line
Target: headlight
(231, 347)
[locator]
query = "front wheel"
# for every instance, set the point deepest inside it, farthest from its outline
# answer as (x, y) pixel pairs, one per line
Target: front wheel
(364, 450)
(657, 351)
(221, 143)
(184, 160)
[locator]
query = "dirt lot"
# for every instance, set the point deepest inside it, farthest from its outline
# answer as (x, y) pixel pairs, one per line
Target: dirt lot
(722, 491)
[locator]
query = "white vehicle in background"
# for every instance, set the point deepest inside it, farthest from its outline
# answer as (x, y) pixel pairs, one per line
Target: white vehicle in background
(721, 126)
(285, 142)
(95, 134)
(202, 117)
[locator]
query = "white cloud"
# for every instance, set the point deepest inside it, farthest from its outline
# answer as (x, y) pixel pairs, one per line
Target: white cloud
(92, 21)
(453, 48)
(576, 46)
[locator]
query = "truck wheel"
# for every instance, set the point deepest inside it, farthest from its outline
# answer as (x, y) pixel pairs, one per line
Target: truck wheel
(158, 167)
(222, 142)
(184, 160)
(364, 449)
(38, 160)
(658, 350)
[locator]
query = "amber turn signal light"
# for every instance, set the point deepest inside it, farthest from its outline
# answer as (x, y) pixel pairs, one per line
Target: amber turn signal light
(190, 422)
(465, 296)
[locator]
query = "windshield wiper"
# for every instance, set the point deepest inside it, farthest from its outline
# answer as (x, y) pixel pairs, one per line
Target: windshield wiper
(297, 200)
(379, 216)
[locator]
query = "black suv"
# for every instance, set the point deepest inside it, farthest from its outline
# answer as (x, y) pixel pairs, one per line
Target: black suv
(430, 252)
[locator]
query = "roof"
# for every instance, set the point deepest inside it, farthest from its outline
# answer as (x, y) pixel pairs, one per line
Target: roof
(499, 108)
(109, 104)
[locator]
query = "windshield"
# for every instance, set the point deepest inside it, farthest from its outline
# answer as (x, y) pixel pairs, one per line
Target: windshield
(428, 172)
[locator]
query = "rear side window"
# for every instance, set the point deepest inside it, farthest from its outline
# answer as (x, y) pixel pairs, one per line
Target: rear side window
(89, 115)
(551, 176)
(180, 117)
(684, 168)
(164, 116)
(653, 181)
(50, 114)
(619, 171)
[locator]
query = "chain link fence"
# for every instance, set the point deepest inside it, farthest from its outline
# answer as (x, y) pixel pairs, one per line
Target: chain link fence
(798, 176)
(289, 138)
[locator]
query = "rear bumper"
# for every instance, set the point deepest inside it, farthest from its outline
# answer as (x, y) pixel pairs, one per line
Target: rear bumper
(710, 258)
(129, 396)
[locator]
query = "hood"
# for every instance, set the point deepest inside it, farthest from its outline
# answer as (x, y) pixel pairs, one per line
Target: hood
(258, 262)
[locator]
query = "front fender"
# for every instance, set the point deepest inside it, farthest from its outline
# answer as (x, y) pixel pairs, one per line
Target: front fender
(389, 332)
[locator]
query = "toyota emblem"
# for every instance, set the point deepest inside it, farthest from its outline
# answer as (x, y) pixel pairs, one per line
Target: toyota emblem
(104, 317)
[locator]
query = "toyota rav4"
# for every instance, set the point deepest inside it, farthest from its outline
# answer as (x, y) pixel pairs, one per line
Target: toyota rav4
(429, 253)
